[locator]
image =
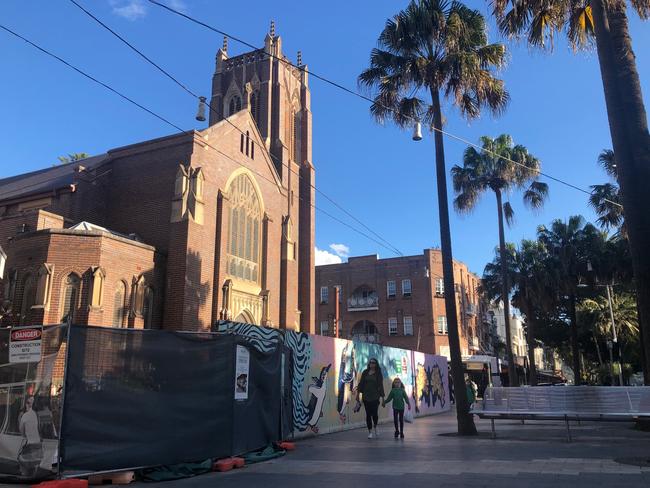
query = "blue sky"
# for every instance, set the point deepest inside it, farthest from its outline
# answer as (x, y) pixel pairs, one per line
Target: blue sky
(377, 173)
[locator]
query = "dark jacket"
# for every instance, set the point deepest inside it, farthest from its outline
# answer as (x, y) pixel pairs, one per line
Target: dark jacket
(374, 392)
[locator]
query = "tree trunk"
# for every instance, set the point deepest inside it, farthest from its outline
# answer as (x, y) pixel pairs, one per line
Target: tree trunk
(465, 419)
(530, 340)
(631, 142)
(575, 349)
(505, 294)
(600, 357)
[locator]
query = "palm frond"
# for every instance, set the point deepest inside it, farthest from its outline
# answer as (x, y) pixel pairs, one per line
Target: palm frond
(536, 194)
(580, 28)
(508, 213)
(642, 8)
(605, 199)
(607, 161)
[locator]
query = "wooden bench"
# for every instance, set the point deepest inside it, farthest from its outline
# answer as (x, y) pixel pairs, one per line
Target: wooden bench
(564, 403)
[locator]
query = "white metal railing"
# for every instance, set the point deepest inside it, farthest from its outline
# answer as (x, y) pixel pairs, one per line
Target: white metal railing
(578, 400)
(358, 302)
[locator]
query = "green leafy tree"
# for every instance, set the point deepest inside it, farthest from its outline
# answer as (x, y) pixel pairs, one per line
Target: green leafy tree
(72, 157)
(606, 23)
(431, 50)
(500, 167)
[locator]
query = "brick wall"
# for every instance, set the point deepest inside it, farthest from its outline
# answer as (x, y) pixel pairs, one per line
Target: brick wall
(79, 252)
(424, 305)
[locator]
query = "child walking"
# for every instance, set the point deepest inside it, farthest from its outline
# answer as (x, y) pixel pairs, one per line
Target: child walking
(398, 396)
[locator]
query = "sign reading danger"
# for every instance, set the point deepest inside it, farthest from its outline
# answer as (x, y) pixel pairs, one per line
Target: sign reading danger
(25, 344)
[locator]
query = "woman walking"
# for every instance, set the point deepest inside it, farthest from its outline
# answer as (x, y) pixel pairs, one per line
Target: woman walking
(371, 387)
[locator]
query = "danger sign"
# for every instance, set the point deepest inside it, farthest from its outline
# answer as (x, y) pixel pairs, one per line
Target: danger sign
(25, 344)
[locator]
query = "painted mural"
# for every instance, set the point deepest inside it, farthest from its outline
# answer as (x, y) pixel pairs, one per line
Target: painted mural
(326, 372)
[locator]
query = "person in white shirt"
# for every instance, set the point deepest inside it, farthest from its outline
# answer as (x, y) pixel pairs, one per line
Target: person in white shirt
(31, 453)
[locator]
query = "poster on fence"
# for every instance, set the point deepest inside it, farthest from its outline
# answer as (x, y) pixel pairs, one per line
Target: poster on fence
(29, 402)
(242, 368)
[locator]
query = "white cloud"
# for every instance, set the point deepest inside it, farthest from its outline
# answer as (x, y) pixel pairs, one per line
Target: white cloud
(129, 9)
(179, 5)
(340, 250)
(326, 257)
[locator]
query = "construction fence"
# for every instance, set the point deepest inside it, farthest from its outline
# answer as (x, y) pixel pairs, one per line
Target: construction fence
(103, 399)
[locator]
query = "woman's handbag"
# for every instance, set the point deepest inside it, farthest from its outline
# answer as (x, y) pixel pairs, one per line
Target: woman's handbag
(408, 416)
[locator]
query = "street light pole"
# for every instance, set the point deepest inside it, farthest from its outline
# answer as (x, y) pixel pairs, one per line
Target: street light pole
(614, 339)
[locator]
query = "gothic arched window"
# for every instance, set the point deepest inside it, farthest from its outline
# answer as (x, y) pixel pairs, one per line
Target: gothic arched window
(255, 107)
(147, 307)
(244, 237)
(29, 299)
(70, 297)
(235, 105)
(119, 305)
(296, 136)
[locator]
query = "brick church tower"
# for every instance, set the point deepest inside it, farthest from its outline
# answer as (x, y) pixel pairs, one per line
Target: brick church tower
(277, 95)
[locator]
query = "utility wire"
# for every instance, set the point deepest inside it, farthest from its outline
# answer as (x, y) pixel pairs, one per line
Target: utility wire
(189, 133)
(193, 94)
(369, 99)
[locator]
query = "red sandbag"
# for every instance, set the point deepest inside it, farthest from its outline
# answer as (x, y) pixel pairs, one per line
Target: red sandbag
(287, 446)
(122, 478)
(223, 465)
(238, 462)
(69, 483)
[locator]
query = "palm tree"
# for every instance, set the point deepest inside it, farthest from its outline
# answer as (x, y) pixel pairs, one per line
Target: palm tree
(571, 245)
(532, 285)
(438, 49)
(500, 167)
(597, 314)
(606, 22)
(606, 198)
(535, 293)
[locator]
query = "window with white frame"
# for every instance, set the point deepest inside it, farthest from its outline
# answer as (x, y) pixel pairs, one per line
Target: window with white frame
(392, 326)
(408, 325)
(324, 327)
(442, 324)
(391, 289)
(324, 294)
(440, 286)
(406, 288)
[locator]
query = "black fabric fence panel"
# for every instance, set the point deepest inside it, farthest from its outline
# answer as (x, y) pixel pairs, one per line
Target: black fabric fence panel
(136, 398)
(287, 395)
(257, 418)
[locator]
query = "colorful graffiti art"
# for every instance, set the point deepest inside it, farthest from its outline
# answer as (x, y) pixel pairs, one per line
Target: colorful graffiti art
(431, 390)
(326, 371)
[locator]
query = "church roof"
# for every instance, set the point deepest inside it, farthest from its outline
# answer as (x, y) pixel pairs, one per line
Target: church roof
(45, 180)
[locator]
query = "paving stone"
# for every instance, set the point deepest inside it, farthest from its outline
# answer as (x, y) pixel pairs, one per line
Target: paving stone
(533, 455)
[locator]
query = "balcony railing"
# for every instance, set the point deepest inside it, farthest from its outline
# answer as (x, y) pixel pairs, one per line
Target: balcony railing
(371, 338)
(358, 303)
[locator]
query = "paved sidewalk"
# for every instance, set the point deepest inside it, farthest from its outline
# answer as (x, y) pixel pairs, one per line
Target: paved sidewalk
(526, 456)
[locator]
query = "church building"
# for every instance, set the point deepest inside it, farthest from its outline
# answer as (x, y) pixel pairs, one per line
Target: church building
(181, 231)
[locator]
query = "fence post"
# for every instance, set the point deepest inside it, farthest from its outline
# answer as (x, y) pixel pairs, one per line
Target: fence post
(59, 457)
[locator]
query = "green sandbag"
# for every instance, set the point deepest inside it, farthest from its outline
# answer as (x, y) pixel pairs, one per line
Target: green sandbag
(269, 452)
(174, 471)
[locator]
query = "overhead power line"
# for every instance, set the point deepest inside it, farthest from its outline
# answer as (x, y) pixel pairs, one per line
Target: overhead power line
(196, 96)
(188, 133)
(369, 99)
